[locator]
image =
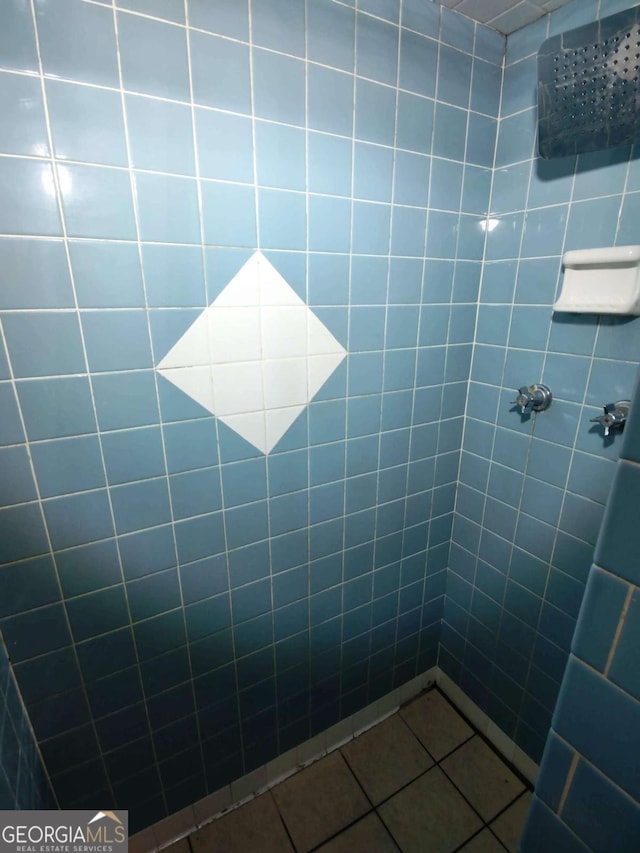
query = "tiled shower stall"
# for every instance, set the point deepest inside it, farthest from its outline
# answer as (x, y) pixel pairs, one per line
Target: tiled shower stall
(222, 532)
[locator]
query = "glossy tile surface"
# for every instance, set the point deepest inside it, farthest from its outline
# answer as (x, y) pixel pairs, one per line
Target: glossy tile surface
(250, 600)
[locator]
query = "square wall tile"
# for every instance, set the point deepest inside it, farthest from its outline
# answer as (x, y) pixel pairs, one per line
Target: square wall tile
(624, 815)
(330, 101)
(35, 274)
(280, 25)
(282, 219)
(86, 123)
(23, 638)
(454, 76)
(97, 202)
(140, 505)
(28, 188)
(106, 275)
(195, 492)
(56, 407)
(197, 538)
(23, 533)
(622, 671)
(160, 135)
(30, 584)
(331, 34)
(165, 265)
(18, 485)
(423, 18)
(44, 343)
(387, 9)
(415, 123)
(229, 18)
(24, 131)
(97, 613)
(77, 41)
(329, 224)
(229, 214)
(154, 57)
(575, 719)
(280, 156)
(373, 170)
(133, 454)
(329, 164)
(190, 445)
(411, 178)
(377, 50)
(220, 71)
(225, 146)
(168, 209)
(116, 340)
(172, 10)
(18, 42)
(11, 431)
(78, 519)
(375, 112)
(68, 465)
(278, 87)
(89, 567)
(370, 228)
(418, 61)
(125, 399)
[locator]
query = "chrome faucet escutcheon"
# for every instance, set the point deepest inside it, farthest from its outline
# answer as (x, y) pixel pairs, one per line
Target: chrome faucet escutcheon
(614, 417)
(533, 398)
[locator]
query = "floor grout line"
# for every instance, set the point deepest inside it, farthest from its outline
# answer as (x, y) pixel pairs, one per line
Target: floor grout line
(374, 808)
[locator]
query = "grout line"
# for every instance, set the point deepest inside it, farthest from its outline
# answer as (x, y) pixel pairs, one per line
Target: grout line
(619, 627)
(347, 357)
(568, 781)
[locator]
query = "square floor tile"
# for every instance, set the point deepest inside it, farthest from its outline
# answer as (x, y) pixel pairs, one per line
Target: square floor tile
(482, 777)
(386, 758)
(254, 826)
(439, 727)
(484, 842)
(369, 834)
(508, 827)
(429, 815)
(320, 801)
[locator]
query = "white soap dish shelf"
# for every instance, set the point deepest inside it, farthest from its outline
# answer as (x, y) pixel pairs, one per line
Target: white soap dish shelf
(601, 281)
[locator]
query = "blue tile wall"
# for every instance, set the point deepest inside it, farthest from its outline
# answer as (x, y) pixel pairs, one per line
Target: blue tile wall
(532, 490)
(588, 791)
(177, 608)
(23, 780)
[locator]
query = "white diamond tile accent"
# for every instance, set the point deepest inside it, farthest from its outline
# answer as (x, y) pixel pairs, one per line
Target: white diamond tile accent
(256, 356)
(234, 334)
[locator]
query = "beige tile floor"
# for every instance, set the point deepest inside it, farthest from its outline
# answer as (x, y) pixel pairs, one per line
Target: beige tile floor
(421, 781)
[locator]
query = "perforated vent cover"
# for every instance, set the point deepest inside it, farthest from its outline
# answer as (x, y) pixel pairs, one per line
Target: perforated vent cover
(589, 87)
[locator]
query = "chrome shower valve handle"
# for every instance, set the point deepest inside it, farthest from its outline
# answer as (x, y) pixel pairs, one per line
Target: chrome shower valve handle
(614, 417)
(533, 398)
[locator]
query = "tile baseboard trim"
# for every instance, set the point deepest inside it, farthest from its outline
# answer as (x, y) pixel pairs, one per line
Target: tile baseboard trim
(189, 819)
(485, 725)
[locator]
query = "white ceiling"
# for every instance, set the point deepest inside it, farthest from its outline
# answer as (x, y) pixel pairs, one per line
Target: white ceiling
(506, 16)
